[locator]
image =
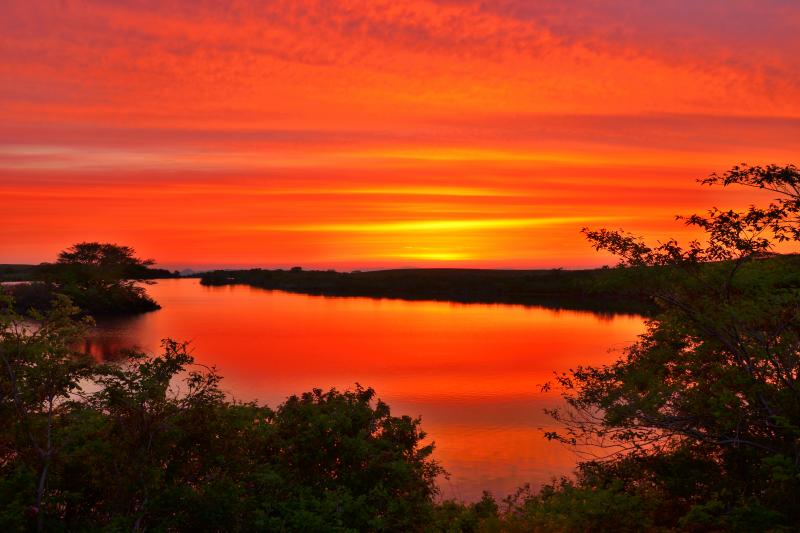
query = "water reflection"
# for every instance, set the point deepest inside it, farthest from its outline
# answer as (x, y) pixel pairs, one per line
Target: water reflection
(113, 337)
(471, 371)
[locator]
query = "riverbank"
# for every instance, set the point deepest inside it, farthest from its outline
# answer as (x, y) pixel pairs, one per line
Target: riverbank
(112, 302)
(599, 290)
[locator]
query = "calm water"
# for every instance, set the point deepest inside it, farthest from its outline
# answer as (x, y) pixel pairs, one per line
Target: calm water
(471, 371)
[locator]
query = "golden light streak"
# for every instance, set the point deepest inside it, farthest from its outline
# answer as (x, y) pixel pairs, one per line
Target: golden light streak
(430, 256)
(433, 225)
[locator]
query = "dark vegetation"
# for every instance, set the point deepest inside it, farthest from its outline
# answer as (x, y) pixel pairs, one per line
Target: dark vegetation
(19, 272)
(29, 273)
(599, 290)
(696, 428)
(152, 444)
(101, 279)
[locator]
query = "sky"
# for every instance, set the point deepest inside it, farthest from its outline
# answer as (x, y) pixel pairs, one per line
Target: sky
(370, 134)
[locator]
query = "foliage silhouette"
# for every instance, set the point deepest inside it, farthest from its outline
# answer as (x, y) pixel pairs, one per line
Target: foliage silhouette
(100, 278)
(153, 443)
(711, 391)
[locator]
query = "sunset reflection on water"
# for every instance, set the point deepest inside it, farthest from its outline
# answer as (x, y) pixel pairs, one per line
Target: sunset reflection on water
(472, 371)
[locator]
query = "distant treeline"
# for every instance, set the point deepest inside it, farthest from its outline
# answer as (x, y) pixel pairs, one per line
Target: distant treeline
(11, 273)
(603, 290)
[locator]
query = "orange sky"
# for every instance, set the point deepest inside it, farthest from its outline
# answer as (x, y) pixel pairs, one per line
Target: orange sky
(364, 134)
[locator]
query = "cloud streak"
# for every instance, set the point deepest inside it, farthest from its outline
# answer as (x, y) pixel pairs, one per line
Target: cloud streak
(170, 124)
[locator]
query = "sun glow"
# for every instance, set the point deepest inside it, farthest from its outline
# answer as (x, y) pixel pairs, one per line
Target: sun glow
(430, 256)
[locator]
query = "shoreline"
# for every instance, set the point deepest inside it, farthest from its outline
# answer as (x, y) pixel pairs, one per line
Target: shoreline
(597, 290)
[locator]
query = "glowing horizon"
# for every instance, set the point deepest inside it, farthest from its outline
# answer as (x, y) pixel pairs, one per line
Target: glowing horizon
(355, 134)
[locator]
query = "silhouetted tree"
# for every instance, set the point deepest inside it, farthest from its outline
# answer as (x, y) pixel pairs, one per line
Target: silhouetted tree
(711, 391)
(41, 372)
(102, 278)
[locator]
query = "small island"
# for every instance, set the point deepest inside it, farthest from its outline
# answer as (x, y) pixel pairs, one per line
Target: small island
(102, 279)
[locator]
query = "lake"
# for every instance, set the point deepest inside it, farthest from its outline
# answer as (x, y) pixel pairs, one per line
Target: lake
(472, 371)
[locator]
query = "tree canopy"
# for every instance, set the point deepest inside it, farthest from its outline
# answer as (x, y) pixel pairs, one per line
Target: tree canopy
(102, 278)
(703, 411)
